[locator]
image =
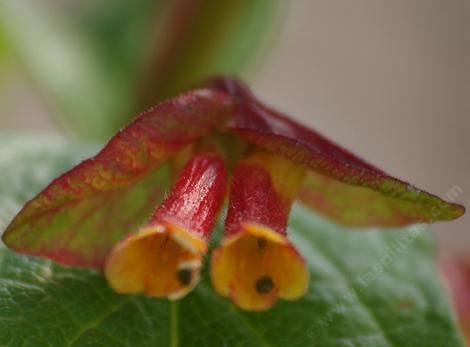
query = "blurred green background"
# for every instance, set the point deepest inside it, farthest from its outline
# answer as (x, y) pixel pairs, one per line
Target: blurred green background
(95, 63)
(389, 80)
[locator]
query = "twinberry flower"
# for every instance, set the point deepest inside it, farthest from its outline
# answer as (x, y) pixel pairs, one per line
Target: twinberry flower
(96, 214)
(164, 257)
(256, 263)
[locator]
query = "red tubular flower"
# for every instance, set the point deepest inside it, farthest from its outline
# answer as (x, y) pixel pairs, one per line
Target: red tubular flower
(256, 263)
(164, 257)
(81, 217)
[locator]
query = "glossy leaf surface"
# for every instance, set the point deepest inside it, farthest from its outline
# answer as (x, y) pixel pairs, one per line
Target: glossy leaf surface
(83, 213)
(372, 289)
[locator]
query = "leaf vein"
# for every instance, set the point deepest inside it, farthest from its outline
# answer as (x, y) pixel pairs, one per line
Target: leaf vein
(96, 322)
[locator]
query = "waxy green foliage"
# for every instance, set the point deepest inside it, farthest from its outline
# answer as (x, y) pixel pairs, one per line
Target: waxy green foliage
(368, 289)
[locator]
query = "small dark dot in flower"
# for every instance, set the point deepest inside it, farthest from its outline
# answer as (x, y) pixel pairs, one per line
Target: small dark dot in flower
(264, 285)
(261, 243)
(184, 276)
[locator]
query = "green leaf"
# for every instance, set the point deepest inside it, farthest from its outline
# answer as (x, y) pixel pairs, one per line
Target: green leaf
(371, 288)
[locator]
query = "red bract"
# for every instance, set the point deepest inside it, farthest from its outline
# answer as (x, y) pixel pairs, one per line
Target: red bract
(339, 184)
(79, 217)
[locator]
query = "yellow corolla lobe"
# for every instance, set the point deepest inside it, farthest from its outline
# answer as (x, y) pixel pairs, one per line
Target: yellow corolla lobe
(256, 266)
(161, 260)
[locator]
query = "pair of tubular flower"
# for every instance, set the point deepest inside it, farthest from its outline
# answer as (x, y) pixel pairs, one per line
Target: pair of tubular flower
(215, 144)
(255, 262)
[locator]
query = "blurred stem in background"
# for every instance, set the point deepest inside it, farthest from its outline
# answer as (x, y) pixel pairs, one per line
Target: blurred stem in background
(205, 37)
(97, 64)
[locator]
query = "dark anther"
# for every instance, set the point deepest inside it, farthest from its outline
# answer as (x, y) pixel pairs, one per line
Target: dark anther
(264, 285)
(262, 243)
(184, 276)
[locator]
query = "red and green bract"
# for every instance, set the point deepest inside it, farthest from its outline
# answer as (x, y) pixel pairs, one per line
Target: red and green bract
(339, 185)
(80, 216)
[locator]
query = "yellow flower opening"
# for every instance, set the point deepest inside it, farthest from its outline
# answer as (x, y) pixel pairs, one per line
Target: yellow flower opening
(160, 260)
(256, 266)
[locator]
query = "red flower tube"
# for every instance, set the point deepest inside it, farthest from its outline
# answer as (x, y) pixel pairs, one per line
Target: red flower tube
(164, 257)
(256, 263)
